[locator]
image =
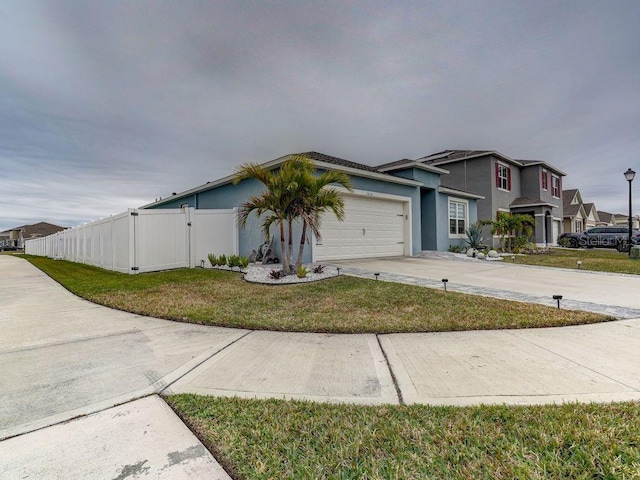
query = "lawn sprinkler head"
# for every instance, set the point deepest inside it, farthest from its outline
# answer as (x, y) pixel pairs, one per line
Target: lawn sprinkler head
(579, 264)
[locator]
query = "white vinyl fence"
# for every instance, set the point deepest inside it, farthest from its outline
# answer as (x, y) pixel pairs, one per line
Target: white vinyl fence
(139, 241)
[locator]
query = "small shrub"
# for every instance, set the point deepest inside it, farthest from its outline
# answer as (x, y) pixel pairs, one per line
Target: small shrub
(564, 242)
(318, 269)
(213, 260)
(457, 248)
(474, 236)
(222, 259)
(244, 262)
(276, 274)
(302, 272)
(233, 261)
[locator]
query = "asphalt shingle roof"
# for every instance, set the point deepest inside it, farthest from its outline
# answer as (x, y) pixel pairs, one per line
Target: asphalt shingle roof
(321, 157)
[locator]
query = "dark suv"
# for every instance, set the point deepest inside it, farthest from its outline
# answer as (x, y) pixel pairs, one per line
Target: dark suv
(607, 237)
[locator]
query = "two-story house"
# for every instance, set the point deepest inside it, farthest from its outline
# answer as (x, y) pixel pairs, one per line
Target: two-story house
(574, 212)
(532, 187)
(14, 238)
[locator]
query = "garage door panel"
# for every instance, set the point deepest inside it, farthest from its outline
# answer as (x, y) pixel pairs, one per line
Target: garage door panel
(371, 228)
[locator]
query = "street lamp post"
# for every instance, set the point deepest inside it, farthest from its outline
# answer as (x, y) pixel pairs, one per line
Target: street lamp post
(629, 175)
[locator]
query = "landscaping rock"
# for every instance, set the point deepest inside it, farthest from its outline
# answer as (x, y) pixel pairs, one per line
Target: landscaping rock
(472, 252)
(481, 255)
(492, 254)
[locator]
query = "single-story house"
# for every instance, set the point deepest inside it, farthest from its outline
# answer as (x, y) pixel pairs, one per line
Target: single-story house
(397, 211)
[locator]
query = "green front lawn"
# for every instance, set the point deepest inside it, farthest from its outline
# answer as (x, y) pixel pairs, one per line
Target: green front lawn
(339, 305)
(264, 439)
(596, 259)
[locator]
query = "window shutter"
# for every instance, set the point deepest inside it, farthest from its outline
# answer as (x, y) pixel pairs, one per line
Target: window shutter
(497, 175)
(559, 187)
(509, 179)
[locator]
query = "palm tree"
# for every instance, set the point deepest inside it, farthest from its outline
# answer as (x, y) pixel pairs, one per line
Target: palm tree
(507, 224)
(274, 201)
(293, 192)
(316, 199)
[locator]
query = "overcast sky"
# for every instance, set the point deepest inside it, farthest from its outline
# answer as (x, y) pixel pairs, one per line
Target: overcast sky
(106, 105)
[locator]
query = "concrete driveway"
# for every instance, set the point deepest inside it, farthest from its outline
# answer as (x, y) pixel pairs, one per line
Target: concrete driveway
(614, 294)
(78, 381)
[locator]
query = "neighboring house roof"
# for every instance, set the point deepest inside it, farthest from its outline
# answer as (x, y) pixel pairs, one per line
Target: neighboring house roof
(568, 196)
(40, 229)
(449, 156)
(530, 202)
(605, 216)
(590, 208)
(572, 210)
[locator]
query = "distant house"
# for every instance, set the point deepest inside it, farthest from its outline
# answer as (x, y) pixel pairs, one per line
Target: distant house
(617, 219)
(532, 187)
(14, 238)
(592, 218)
(574, 213)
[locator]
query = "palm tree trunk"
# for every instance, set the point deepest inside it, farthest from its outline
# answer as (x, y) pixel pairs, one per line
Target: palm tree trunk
(283, 251)
(290, 251)
(303, 239)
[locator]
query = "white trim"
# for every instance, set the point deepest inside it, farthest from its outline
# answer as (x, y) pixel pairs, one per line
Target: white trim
(274, 163)
(502, 164)
(452, 191)
(367, 174)
(542, 204)
(559, 191)
(466, 216)
(415, 164)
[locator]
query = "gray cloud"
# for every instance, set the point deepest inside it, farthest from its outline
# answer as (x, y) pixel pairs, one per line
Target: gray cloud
(109, 105)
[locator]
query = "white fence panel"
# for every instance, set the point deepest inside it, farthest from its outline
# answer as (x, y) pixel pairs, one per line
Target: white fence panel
(213, 231)
(121, 242)
(161, 240)
(145, 240)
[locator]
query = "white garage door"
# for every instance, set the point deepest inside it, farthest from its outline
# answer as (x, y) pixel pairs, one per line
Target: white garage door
(372, 227)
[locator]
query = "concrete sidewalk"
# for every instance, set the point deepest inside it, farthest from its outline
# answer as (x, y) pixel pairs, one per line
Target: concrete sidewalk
(62, 357)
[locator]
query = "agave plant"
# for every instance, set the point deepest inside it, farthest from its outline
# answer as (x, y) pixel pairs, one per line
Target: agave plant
(474, 236)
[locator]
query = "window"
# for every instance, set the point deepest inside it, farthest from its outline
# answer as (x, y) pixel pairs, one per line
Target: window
(457, 217)
(578, 226)
(555, 186)
(545, 180)
(503, 177)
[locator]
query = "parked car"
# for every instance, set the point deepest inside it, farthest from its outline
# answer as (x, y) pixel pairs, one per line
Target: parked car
(606, 237)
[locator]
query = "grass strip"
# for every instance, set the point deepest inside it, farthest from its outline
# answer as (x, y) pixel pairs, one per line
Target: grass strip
(339, 305)
(266, 439)
(596, 259)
